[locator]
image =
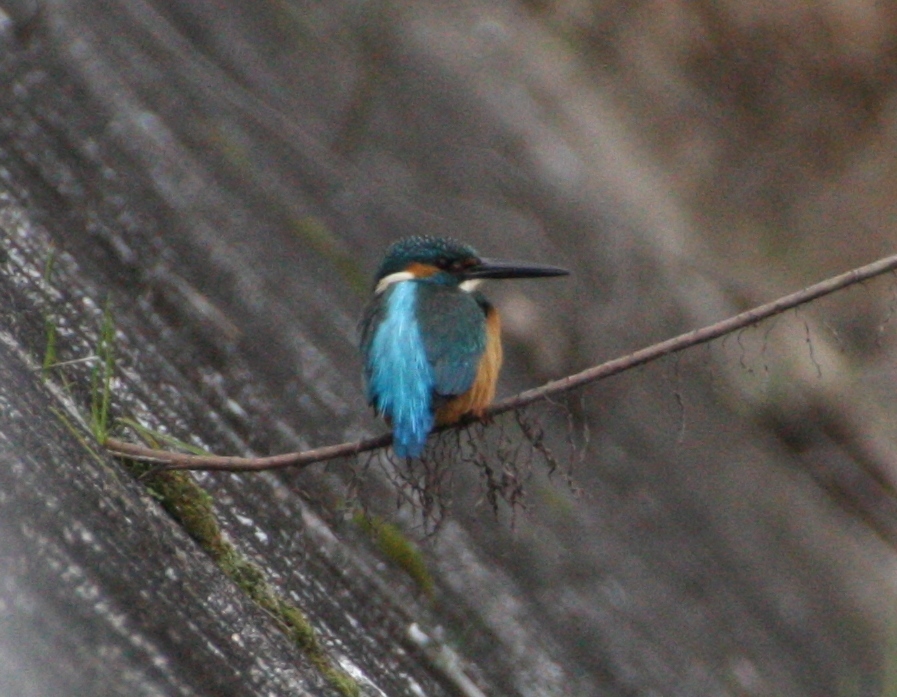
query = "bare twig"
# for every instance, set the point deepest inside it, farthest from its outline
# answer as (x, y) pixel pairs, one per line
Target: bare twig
(182, 461)
(172, 460)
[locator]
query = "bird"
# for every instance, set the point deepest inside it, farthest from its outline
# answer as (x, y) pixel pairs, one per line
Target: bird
(430, 341)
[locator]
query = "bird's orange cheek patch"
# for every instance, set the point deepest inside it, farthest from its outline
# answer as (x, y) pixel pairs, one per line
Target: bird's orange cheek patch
(421, 270)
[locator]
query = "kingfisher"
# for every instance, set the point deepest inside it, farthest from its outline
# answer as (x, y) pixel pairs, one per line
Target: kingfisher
(430, 341)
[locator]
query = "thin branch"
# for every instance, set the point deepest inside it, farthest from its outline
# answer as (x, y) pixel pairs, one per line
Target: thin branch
(171, 460)
(182, 461)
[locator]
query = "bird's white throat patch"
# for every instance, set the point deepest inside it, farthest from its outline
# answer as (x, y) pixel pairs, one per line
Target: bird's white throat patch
(396, 277)
(470, 285)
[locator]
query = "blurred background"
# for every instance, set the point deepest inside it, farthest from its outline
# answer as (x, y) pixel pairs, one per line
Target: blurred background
(227, 175)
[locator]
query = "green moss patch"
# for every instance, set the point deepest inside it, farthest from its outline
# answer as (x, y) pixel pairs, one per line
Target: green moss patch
(192, 507)
(397, 548)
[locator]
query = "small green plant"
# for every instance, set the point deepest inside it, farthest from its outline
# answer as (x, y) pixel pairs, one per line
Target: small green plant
(154, 438)
(188, 503)
(78, 434)
(101, 377)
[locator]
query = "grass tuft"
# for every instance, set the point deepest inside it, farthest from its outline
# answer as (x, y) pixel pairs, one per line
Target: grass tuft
(156, 438)
(101, 377)
(191, 505)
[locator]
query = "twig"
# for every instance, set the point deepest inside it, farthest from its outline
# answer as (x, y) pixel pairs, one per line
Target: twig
(171, 460)
(182, 461)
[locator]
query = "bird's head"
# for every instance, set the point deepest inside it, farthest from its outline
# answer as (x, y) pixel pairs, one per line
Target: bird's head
(449, 262)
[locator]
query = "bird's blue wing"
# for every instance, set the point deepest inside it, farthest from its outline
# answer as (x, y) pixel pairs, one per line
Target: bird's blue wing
(453, 327)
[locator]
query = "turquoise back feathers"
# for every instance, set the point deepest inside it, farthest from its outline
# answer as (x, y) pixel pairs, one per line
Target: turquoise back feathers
(424, 335)
(400, 379)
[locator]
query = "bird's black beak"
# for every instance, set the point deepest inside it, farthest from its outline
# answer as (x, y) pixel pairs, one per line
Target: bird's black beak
(493, 268)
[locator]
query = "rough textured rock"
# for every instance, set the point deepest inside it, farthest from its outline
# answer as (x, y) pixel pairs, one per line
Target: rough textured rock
(224, 176)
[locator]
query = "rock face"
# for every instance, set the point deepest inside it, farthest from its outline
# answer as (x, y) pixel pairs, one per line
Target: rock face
(218, 180)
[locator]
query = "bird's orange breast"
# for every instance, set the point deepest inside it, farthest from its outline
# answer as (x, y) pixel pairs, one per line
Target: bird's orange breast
(482, 392)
